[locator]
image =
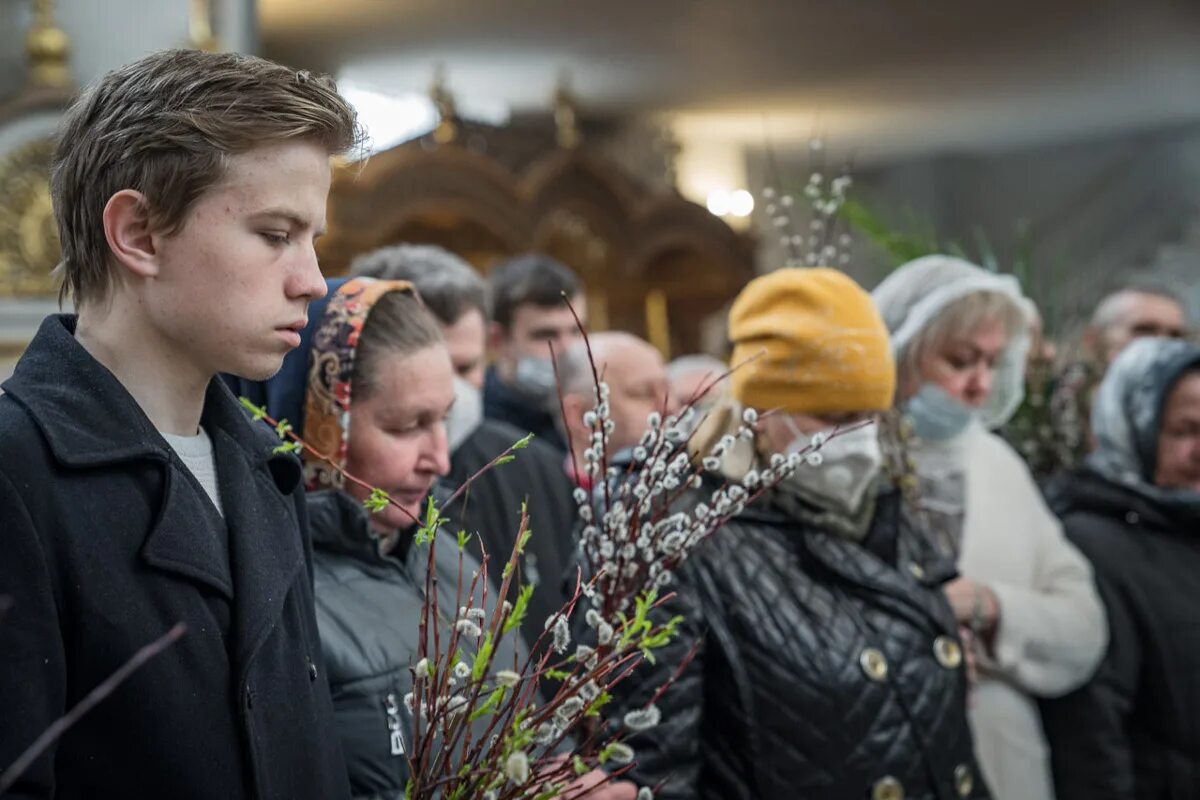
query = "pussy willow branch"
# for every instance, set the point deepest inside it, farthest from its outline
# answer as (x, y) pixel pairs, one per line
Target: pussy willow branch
(424, 744)
(587, 343)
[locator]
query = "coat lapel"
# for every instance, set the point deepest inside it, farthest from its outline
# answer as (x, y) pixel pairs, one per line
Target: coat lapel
(188, 538)
(265, 548)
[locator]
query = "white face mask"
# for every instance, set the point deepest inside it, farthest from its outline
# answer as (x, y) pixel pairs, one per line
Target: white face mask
(465, 414)
(850, 463)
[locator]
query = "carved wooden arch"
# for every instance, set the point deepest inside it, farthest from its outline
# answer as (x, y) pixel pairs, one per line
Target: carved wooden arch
(410, 189)
(671, 223)
(654, 263)
(583, 206)
(690, 265)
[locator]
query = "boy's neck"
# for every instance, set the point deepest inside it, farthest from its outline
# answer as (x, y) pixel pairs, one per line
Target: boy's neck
(163, 381)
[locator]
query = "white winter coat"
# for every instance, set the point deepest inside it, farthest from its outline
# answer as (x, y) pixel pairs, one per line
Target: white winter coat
(1052, 631)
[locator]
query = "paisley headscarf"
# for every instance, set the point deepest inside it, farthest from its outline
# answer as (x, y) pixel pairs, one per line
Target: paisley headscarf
(331, 367)
(1127, 415)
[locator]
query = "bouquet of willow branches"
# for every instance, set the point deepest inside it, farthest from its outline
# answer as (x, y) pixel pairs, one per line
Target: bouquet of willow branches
(531, 725)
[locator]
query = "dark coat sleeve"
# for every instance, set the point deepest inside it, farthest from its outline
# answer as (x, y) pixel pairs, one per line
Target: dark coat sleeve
(32, 667)
(670, 752)
(1091, 755)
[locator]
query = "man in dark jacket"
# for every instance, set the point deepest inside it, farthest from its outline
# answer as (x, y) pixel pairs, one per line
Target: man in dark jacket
(135, 493)
(1134, 510)
(528, 316)
(491, 507)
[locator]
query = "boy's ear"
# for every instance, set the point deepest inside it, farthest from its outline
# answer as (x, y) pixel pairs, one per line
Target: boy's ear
(129, 233)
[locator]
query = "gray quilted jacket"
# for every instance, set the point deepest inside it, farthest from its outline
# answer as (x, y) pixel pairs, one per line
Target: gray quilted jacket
(368, 612)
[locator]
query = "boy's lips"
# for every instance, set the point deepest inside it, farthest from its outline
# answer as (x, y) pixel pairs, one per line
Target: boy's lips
(291, 331)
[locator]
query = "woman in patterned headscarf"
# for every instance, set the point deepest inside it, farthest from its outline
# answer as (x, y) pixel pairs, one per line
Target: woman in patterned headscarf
(380, 386)
(1134, 509)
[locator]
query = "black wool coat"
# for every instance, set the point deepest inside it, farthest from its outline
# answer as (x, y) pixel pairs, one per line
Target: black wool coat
(107, 541)
(1133, 732)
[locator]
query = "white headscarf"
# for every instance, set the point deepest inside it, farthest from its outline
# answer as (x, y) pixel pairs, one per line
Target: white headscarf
(915, 294)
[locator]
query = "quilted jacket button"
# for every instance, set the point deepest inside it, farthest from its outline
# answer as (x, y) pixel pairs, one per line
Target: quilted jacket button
(917, 571)
(947, 652)
(887, 789)
(873, 664)
(964, 780)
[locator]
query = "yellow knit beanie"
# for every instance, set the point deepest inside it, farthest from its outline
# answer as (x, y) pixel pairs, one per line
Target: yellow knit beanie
(822, 347)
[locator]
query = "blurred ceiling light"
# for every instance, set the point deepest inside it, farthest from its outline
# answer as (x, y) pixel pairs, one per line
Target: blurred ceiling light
(723, 203)
(719, 202)
(741, 203)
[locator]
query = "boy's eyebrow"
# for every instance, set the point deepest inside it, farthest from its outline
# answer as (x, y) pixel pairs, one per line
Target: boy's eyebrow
(294, 219)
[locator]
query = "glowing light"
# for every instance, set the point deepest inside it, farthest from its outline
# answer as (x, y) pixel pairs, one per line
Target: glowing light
(741, 203)
(719, 202)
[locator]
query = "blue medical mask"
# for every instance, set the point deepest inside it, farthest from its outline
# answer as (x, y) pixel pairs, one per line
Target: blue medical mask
(534, 377)
(935, 415)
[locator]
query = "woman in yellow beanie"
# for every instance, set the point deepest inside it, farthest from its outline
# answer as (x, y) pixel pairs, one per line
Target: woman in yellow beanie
(826, 661)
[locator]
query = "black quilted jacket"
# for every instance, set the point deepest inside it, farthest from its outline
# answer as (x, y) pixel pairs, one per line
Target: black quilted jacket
(823, 670)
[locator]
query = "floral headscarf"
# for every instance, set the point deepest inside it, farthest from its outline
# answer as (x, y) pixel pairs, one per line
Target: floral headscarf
(331, 366)
(1127, 415)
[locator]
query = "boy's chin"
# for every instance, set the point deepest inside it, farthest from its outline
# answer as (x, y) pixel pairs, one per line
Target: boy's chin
(257, 369)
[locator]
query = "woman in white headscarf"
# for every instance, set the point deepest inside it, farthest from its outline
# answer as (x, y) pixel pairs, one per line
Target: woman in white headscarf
(960, 335)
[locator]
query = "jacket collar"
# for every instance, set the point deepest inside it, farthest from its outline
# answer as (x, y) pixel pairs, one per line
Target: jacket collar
(341, 525)
(1086, 490)
(89, 419)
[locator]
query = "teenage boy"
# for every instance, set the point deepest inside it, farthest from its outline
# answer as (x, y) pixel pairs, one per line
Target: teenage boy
(135, 493)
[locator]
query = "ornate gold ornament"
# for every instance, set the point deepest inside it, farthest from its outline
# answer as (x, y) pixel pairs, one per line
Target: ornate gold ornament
(29, 248)
(447, 109)
(200, 31)
(47, 48)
